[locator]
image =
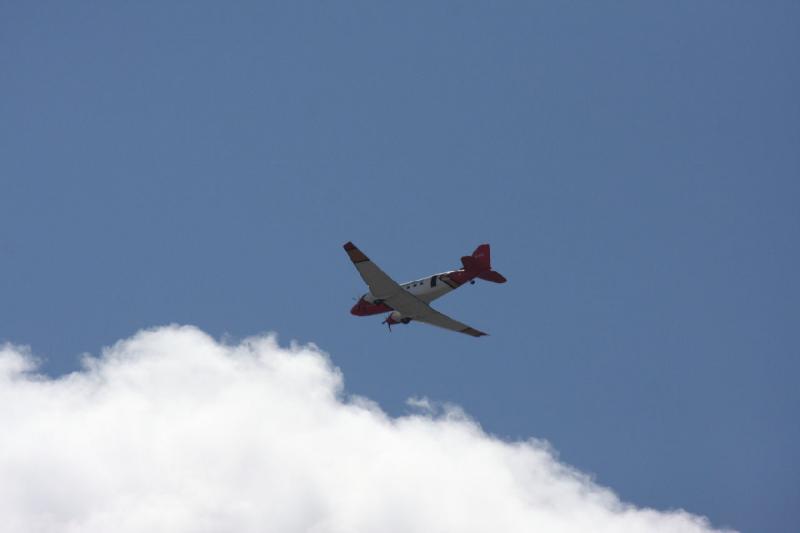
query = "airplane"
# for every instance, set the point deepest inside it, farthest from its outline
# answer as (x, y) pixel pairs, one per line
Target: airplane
(409, 301)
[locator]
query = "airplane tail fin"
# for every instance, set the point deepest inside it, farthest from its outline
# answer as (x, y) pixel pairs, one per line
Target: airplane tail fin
(480, 262)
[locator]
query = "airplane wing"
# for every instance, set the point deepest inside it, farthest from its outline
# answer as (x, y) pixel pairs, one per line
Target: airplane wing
(435, 318)
(392, 294)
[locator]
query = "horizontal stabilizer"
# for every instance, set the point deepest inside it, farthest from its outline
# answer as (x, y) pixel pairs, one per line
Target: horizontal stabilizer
(492, 276)
(471, 264)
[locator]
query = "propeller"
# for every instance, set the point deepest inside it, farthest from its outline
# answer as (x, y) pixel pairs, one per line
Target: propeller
(389, 324)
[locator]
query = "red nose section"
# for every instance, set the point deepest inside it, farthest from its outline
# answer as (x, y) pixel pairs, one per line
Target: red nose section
(364, 308)
(359, 308)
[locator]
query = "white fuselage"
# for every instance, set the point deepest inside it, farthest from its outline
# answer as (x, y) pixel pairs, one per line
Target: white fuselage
(426, 289)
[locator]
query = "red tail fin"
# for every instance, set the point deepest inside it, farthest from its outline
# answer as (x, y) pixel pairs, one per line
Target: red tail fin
(482, 255)
(480, 262)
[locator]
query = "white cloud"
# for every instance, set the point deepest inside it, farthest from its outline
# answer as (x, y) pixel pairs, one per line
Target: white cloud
(171, 431)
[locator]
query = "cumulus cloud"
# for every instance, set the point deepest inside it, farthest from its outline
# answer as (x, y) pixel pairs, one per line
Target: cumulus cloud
(172, 431)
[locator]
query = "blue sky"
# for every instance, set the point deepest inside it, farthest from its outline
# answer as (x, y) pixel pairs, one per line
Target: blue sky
(634, 166)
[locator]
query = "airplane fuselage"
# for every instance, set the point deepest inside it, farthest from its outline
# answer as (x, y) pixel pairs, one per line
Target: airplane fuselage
(426, 289)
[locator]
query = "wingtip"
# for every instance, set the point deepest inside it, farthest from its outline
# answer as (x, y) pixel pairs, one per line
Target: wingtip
(474, 332)
(356, 255)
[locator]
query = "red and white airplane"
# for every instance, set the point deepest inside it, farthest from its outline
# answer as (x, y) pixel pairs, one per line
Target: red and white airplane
(409, 301)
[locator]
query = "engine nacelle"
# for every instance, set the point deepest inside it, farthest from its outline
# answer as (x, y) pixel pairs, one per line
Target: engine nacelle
(395, 317)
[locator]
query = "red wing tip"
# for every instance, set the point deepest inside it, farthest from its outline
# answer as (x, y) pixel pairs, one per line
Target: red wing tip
(356, 255)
